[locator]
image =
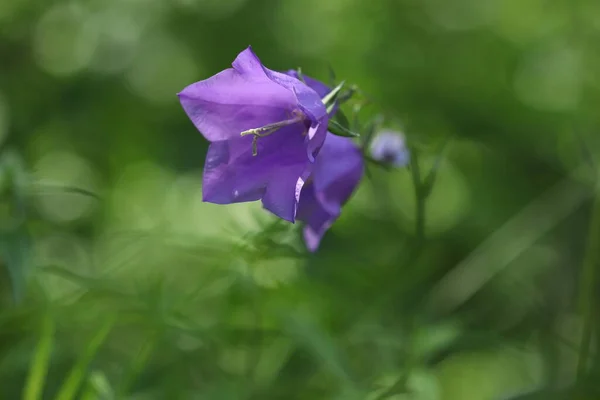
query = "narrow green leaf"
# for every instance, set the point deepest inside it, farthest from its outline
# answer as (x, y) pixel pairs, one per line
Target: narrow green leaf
(43, 188)
(347, 94)
(39, 365)
(137, 365)
(331, 96)
(98, 387)
(304, 330)
(339, 130)
(71, 385)
(341, 118)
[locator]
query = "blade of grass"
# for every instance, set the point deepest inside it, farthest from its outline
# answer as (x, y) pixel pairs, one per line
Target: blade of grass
(507, 243)
(71, 385)
(39, 365)
(98, 388)
(138, 363)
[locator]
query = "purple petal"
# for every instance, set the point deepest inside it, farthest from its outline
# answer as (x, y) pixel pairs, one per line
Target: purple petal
(312, 238)
(318, 86)
(316, 137)
(232, 174)
(338, 171)
(311, 105)
(308, 100)
(237, 99)
(277, 197)
(316, 218)
(222, 183)
(336, 174)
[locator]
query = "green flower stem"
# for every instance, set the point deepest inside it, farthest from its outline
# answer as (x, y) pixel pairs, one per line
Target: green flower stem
(420, 197)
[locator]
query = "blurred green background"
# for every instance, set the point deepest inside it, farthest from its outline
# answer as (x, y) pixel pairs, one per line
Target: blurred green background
(141, 291)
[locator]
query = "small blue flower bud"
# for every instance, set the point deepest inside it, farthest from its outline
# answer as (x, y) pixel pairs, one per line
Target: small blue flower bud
(389, 147)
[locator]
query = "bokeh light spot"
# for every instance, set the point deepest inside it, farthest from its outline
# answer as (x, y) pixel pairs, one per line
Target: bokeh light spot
(460, 14)
(119, 34)
(63, 42)
(161, 68)
(315, 32)
(527, 21)
(550, 78)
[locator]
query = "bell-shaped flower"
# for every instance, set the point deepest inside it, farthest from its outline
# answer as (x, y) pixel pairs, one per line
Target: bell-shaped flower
(265, 129)
(389, 147)
(336, 174)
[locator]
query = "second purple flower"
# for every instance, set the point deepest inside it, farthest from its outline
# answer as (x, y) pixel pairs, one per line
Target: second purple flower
(336, 174)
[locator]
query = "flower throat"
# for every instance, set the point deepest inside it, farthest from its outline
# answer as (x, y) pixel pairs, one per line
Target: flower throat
(269, 129)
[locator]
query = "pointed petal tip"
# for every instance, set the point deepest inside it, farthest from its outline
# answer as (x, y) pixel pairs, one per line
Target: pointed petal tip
(207, 196)
(250, 50)
(185, 91)
(312, 240)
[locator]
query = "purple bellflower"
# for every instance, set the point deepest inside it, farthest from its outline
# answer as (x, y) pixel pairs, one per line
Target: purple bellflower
(337, 172)
(389, 147)
(265, 129)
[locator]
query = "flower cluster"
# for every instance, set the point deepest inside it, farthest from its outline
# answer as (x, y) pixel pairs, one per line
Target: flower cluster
(269, 141)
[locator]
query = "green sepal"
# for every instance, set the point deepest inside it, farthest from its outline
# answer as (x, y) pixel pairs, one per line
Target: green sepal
(341, 119)
(330, 98)
(347, 94)
(337, 129)
(300, 75)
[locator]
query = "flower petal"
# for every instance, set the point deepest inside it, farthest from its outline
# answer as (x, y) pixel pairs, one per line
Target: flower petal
(337, 171)
(277, 197)
(308, 100)
(236, 99)
(318, 86)
(316, 137)
(232, 174)
(336, 174)
(222, 183)
(316, 218)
